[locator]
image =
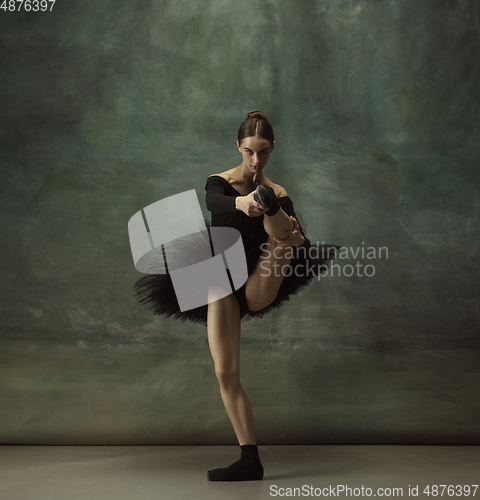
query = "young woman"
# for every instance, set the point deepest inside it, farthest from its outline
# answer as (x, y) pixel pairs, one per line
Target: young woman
(280, 263)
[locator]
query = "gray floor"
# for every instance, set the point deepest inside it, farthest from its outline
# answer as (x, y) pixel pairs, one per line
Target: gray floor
(179, 472)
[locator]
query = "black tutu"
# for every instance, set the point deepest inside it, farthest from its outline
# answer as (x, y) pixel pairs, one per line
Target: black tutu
(157, 290)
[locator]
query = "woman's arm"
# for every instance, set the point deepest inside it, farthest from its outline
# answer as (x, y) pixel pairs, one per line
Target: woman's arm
(216, 199)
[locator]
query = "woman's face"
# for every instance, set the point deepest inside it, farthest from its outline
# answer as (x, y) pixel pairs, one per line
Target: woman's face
(255, 152)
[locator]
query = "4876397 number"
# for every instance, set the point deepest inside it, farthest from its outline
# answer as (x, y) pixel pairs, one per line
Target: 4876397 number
(27, 5)
(450, 490)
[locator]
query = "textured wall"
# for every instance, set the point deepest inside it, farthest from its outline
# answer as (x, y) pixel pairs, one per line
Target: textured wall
(106, 107)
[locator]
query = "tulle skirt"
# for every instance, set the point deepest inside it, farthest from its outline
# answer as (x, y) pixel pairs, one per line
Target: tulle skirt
(157, 290)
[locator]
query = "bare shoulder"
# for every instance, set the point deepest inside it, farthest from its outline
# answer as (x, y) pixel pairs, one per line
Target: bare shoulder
(225, 175)
(279, 190)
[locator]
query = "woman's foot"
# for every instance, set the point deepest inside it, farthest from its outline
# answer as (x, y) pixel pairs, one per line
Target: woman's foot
(265, 195)
(247, 468)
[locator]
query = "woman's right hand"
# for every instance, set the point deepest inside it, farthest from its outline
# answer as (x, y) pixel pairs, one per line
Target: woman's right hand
(249, 206)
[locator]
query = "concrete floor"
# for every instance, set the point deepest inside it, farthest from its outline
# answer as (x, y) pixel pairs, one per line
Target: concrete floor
(179, 472)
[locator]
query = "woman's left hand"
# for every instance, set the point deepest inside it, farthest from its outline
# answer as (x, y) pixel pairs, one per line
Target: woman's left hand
(294, 238)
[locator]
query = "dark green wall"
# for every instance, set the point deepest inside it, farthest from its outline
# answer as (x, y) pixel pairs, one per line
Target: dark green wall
(107, 107)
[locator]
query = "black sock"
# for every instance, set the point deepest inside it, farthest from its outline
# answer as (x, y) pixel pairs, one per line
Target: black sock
(274, 208)
(247, 468)
(269, 199)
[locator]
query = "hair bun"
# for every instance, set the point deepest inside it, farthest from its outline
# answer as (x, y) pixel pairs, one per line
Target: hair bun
(256, 114)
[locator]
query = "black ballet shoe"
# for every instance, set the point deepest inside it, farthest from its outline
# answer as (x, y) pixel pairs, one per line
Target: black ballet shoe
(265, 195)
(247, 468)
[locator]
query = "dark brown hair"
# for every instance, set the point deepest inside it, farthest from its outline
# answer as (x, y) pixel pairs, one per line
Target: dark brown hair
(255, 124)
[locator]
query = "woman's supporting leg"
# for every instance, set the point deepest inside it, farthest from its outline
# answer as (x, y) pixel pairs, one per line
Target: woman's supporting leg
(223, 324)
(263, 284)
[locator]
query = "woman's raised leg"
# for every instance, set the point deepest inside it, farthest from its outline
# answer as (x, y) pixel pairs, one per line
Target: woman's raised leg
(277, 225)
(263, 284)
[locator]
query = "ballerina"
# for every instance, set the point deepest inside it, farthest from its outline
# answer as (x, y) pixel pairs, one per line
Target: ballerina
(261, 210)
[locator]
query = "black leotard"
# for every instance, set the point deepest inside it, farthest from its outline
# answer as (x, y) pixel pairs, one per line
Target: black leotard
(220, 199)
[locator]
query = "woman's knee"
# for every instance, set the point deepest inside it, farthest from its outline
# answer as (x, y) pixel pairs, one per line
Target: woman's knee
(227, 377)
